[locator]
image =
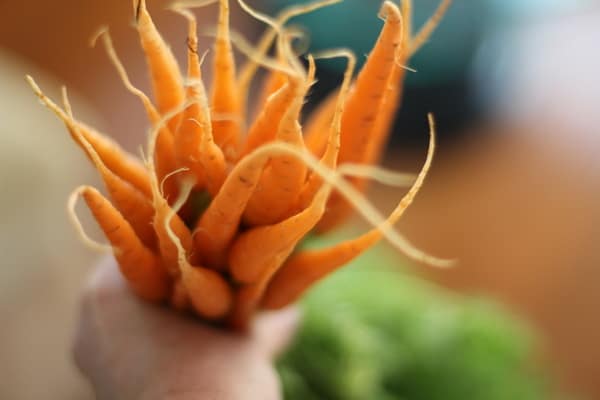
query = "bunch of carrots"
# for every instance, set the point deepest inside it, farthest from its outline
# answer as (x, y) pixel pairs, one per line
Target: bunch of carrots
(211, 217)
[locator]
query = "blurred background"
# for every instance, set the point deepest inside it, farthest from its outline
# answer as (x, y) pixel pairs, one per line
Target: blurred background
(514, 193)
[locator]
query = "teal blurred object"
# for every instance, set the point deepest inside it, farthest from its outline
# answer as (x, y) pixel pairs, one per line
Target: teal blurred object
(355, 24)
(370, 332)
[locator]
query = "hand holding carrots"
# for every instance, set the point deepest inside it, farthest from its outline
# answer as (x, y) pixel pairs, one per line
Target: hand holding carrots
(132, 350)
(211, 220)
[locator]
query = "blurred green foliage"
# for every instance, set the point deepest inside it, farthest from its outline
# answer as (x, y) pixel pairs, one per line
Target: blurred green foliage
(372, 332)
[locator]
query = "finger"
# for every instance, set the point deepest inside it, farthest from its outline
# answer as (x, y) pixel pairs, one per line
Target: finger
(273, 331)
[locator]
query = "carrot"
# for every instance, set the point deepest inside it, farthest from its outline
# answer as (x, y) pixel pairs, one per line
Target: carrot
(271, 84)
(162, 210)
(305, 268)
(138, 264)
(129, 201)
(209, 293)
(225, 101)
(112, 155)
(363, 104)
(167, 249)
(167, 82)
(247, 260)
(364, 101)
(284, 177)
(393, 94)
(329, 158)
(249, 263)
(319, 122)
(219, 223)
(194, 140)
(276, 79)
(165, 158)
(265, 126)
(390, 100)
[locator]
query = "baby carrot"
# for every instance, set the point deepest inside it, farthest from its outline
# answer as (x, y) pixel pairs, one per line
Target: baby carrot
(305, 268)
(392, 97)
(272, 83)
(162, 210)
(252, 265)
(390, 100)
(285, 175)
(140, 267)
(219, 223)
(113, 156)
(165, 153)
(225, 101)
(329, 158)
(319, 122)
(363, 105)
(247, 261)
(195, 145)
(129, 201)
(167, 82)
(207, 291)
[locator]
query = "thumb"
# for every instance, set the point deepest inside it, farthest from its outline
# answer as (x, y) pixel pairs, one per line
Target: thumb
(274, 330)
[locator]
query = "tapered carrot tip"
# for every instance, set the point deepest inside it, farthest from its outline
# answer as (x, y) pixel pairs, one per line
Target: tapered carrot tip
(140, 267)
(211, 219)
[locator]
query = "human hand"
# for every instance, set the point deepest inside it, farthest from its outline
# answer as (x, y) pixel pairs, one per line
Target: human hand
(132, 350)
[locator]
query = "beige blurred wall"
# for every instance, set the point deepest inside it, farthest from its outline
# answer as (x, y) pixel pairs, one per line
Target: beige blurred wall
(43, 264)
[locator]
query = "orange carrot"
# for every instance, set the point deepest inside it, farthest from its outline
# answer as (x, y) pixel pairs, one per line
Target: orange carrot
(140, 267)
(129, 201)
(165, 153)
(366, 97)
(284, 177)
(219, 223)
(249, 263)
(209, 293)
(225, 102)
(305, 268)
(363, 105)
(329, 158)
(390, 100)
(168, 250)
(266, 125)
(195, 147)
(272, 83)
(112, 155)
(167, 82)
(318, 124)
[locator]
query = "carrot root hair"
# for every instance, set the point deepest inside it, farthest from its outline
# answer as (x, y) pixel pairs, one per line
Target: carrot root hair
(76, 222)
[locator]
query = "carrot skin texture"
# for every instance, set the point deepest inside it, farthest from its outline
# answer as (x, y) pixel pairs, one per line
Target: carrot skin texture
(167, 82)
(360, 116)
(225, 99)
(283, 178)
(264, 128)
(168, 251)
(248, 263)
(196, 148)
(139, 265)
(302, 270)
(131, 203)
(219, 223)
(318, 124)
(208, 292)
